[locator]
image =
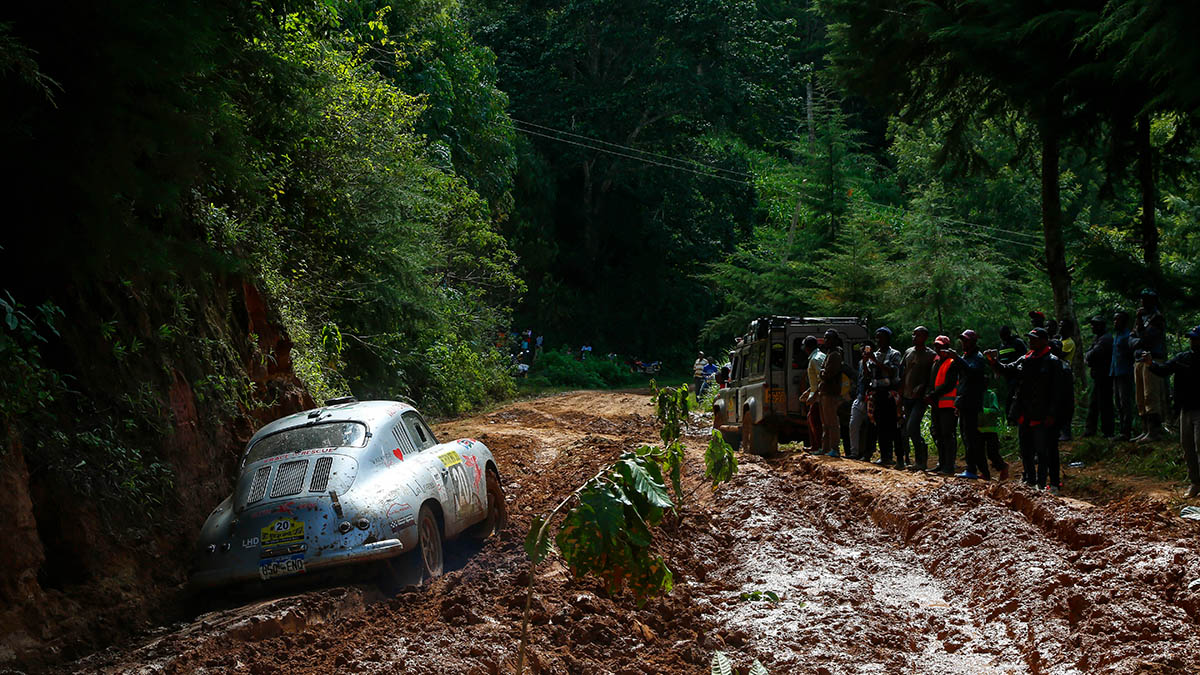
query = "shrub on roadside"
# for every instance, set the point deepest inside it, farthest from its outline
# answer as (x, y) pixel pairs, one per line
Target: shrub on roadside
(558, 369)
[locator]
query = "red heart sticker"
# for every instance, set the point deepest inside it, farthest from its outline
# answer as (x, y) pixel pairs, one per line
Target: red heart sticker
(399, 455)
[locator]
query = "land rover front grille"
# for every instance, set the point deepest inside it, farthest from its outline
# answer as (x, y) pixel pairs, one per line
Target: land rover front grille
(258, 487)
(289, 478)
(320, 477)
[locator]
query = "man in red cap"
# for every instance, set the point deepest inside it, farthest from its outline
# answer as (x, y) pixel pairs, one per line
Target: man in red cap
(1038, 375)
(1037, 319)
(941, 400)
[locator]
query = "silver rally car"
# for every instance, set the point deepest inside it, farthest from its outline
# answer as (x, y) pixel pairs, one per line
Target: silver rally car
(350, 482)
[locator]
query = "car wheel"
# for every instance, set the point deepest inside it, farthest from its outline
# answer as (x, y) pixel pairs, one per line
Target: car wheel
(429, 544)
(747, 431)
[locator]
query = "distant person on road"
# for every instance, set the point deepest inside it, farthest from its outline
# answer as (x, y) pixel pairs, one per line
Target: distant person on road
(972, 383)
(1038, 374)
(884, 404)
(698, 373)
(1185, 366)
(1011, 348)
(1098, 359)
(915, 373)
(944, 419)
(1037, 319)
(722, 377)
(1122, 374)
(830, 392)
(1149, 336)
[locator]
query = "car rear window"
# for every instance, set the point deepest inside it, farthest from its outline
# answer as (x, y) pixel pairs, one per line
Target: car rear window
(327, 435)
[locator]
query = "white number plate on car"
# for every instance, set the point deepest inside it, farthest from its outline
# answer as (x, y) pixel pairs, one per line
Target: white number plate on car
(281, 566)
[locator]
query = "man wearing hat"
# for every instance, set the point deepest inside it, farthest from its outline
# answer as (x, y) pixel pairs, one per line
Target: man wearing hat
(1098, 359)
(1037, 319)
(883, 404)
(915, 371)
(1149, 336)
(1038, 375)
(943, 417)
(1186, 369)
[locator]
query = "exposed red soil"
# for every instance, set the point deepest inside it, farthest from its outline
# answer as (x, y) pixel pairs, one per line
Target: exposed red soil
(876, 571)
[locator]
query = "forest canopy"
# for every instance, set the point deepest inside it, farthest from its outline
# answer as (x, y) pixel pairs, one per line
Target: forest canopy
(407, 182)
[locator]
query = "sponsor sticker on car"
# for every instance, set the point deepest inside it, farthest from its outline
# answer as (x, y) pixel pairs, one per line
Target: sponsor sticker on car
(450, 458)
(282, 531)
(282, 566)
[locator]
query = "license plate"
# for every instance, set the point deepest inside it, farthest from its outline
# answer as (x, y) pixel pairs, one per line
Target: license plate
(281, 566)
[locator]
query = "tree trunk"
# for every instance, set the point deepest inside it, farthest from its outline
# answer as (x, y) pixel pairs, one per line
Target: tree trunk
(1052, 231)
(1145, 171)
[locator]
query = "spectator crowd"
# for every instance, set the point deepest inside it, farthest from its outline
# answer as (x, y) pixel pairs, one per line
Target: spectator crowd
(881, 405)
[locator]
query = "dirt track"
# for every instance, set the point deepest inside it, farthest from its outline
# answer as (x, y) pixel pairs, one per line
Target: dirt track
(877, 571)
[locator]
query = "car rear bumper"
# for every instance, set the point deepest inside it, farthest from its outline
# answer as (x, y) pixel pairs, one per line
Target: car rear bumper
(236, 573)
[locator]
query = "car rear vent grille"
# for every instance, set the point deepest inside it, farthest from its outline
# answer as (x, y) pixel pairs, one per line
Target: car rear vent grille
(289, 479)
(320, 477)
(258, 488)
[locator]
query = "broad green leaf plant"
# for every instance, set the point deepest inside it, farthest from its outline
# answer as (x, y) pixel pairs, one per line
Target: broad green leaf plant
(607, 531)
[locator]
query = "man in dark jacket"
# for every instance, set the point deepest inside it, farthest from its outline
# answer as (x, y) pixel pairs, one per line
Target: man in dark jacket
(883, 406)
(972, 383)
(1098, 359)
(1038, 375)
(945, 374)
(1122, 374)
(1186, 369)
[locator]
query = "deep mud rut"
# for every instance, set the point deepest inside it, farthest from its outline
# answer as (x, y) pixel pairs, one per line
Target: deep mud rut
(876, 572)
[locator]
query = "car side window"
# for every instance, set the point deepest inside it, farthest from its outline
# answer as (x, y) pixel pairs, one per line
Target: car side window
(418, 431)
(402, 437)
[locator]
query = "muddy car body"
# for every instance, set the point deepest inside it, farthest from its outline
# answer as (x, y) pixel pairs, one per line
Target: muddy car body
(350, 482)
(762, 405)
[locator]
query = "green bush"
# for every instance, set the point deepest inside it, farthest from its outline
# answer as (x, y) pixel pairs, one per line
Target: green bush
(558, 369)
(465, 377)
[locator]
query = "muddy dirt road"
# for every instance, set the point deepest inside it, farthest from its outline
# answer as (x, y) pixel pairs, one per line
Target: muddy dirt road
(876, 572)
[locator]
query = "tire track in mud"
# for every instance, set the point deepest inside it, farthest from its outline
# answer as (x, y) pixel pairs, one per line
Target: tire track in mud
(1032, 583)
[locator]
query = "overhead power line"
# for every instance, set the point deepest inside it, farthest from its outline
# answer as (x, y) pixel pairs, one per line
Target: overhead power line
(636, 150)
(678, 167)
(990, 232)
